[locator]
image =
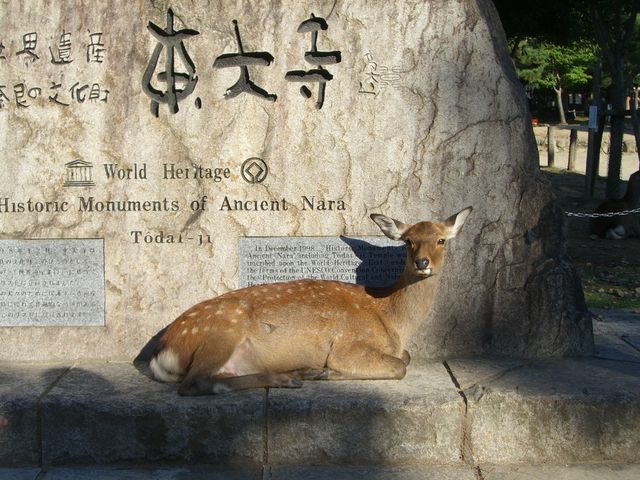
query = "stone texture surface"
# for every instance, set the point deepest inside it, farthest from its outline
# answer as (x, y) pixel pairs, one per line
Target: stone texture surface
(129, 473)
(99, 417)
(469, 373)
(564, 472)
(18, 473)
(21, 388)
(416, 420)
(372, 473)
(617, 335)
(111, 413)
(489, 472)
(444, 125)
(556, 412)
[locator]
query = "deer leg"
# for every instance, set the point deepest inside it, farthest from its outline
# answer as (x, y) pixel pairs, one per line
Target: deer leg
(358, 362)
(216, 385)
(207, 376)
(310, 374)
(207, 361)
(406, 358)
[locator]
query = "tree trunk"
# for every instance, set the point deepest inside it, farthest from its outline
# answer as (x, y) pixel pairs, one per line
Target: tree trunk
(618, 105)
(635, 121)
(563, 118)
(595, 138)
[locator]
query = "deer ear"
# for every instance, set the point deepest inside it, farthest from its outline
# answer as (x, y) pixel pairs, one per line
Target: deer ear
(393, 229)
(454, 223)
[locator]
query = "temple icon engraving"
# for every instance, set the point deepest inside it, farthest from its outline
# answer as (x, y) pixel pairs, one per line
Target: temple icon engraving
(79, 174)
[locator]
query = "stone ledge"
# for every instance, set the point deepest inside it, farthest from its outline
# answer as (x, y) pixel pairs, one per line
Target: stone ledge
(416, 420)
(484, 472)
(568, 411)
(466, 412)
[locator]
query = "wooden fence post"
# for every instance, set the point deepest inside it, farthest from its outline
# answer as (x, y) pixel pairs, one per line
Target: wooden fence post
(573, 147)
(551, 146)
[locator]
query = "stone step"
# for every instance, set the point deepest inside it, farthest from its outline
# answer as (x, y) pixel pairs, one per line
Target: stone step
(484, 472)
(458, 413)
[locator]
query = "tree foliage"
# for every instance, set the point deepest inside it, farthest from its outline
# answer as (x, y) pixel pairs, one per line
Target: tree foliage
(544, 64)
(547, 65)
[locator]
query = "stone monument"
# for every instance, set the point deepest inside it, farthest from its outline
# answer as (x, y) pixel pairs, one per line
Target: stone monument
(156, 154)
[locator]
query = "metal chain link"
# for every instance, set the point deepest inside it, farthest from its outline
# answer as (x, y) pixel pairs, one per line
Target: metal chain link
(602, 215)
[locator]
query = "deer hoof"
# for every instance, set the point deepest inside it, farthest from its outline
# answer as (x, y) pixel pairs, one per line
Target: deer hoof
(285, 381)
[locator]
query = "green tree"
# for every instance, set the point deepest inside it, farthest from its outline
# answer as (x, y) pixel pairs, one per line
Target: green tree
(547, 65)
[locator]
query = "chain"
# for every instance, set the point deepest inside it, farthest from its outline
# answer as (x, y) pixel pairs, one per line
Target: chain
(602, 215)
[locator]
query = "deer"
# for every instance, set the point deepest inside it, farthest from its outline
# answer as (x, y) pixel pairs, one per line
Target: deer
(617, 228)
(278, 335)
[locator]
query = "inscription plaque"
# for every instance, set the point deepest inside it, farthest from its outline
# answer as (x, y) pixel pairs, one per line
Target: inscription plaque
(51, 282)
(372, 260)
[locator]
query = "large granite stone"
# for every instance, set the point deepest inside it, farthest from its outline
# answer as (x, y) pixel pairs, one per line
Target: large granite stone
(424, 116)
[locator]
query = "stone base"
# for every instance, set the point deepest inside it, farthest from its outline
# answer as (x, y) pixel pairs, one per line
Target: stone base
(462, 413)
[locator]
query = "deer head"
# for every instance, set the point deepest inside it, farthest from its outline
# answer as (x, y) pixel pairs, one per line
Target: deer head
(425, 240)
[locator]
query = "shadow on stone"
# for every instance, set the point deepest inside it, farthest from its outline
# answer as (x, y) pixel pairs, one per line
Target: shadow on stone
(379, 266)
(111, 414)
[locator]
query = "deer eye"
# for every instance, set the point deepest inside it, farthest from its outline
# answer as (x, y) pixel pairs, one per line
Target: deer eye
(441, 241)
(410, 244)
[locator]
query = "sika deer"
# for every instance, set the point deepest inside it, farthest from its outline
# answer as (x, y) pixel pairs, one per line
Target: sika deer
(617, 228)
(276, 335)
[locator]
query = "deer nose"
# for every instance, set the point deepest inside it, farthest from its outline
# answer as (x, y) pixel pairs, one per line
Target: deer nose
(422, 263)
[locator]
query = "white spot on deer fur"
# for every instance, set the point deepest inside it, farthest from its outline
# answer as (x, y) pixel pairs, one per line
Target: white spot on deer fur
(206, 329)
(192, 314)
(234, 320)
(194, 330)
(166, 366)
(219, 311)
(208, 306)
(268, 328)
(184, 332)
(239, 311)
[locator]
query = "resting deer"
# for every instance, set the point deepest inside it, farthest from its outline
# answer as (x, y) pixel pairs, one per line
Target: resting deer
(617, 228)
(278, 334)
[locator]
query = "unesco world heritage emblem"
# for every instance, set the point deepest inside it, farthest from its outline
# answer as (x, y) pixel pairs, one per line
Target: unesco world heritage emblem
(254, 170)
